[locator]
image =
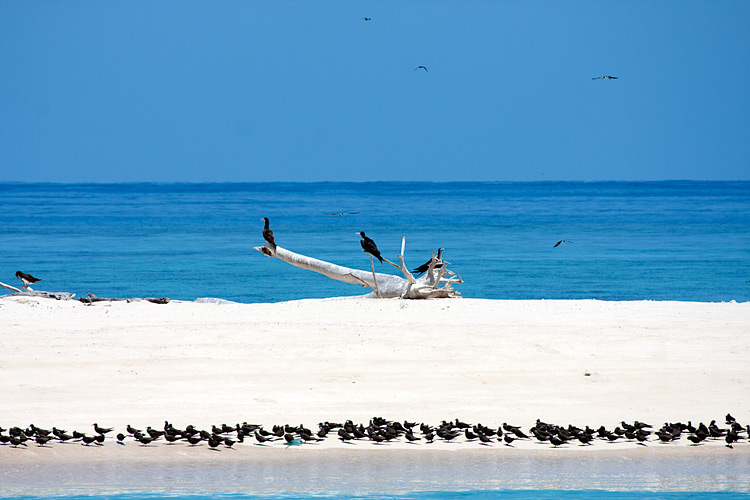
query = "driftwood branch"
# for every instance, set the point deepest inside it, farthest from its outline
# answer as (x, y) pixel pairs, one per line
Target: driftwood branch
(363, 283)
(28, 292)
(45, 295)
(10, 287)
(91, 298)
(430, 285)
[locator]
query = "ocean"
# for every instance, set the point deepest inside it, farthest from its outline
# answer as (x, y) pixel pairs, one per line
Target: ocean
(681, 240)
(672, 240)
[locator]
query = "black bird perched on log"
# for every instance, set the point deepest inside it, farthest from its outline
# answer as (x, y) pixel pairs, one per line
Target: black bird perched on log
(369, 246)
(268, 234)
(424, 267)
(26, 278)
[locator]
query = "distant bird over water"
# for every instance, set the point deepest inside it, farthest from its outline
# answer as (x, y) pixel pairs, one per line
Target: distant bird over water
(341, 214)
(367, 18)
(268, 234)
(560, 243)
(421, 67)
(605, 77)
(26, 278)
(369, 246)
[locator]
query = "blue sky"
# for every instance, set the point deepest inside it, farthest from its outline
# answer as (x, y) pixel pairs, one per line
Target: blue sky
(193, 91)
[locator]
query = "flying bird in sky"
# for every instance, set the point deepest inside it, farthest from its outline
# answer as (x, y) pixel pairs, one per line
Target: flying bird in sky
(422, 67)
(605, 77)
(561, 242)
(367, 18)
(341, 214)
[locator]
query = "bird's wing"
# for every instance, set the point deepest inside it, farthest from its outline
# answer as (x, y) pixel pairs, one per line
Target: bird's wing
(557, 244)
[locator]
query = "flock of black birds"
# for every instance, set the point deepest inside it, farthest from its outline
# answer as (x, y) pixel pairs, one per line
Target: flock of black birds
(381, 431)
(603, 77)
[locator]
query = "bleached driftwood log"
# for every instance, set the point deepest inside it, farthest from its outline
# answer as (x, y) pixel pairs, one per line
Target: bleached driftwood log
(10, 287)
(28, 292)
(435, 283)
(91, 298)
(46, 295)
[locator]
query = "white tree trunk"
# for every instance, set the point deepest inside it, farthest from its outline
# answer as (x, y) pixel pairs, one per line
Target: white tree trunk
(433, 284)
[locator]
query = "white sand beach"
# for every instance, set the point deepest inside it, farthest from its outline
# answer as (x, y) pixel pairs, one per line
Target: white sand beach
(581, 362)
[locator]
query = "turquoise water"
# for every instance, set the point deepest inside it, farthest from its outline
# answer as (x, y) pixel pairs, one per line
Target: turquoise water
(408, 474)
(682, 240)
(629, 241)
(444, 495)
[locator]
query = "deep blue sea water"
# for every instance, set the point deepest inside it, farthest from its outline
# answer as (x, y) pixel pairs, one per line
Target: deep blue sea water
(629, 241)
(681, 240)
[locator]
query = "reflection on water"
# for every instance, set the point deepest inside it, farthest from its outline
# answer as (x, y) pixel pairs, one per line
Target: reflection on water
(385, 472)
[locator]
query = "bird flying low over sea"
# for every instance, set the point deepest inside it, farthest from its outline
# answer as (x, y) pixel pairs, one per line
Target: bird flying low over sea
(26, 278)
(367, 18)
(560, 243)
(268, 234)
(341, 214)
(421, 67)
(369, 246)
(605, 77)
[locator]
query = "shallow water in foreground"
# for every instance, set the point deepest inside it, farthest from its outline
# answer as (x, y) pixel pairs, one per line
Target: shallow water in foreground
(448, 495)
(396, 474)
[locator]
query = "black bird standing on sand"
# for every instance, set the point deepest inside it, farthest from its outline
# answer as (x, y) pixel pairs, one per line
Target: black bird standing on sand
(268, 234)
(424, 267)
(26, 278)
(102, 430)
(369, 246)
